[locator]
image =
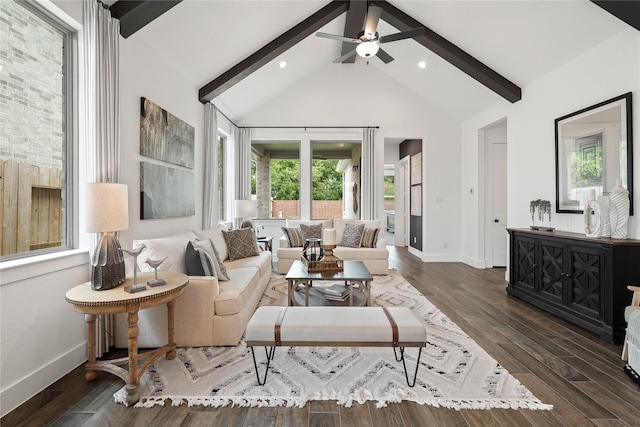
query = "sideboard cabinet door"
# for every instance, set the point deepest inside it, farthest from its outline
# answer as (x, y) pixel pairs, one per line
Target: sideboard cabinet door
(552, 283)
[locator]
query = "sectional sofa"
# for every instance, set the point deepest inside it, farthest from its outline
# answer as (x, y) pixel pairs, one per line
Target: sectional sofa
(211, 311)
(375, 258)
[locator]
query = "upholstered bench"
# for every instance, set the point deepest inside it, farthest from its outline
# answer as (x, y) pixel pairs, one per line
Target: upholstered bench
(395, 327)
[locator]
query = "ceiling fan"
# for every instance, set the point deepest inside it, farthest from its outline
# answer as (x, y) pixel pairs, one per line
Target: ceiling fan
(368, 41)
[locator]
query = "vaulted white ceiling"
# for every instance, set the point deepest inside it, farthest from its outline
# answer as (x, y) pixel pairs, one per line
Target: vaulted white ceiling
(521, 40)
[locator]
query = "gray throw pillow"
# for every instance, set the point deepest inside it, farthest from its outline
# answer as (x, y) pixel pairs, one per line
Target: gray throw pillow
(352, 235)
(311, 231)
(241, 243)
(198, 262)
(221, 269)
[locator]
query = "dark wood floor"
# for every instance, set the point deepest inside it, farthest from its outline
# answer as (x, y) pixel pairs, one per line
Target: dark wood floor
(561, 364)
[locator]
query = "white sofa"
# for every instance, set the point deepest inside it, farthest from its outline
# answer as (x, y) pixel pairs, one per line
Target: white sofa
(211, 311)
(375, 259)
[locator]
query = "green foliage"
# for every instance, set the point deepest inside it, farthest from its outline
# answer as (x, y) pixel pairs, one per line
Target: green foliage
(327, 182)
(285, 179)
(586, 169)
(253, 176)
(389, 187)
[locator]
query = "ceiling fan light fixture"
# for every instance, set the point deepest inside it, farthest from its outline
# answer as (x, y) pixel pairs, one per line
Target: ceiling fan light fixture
(367, 49)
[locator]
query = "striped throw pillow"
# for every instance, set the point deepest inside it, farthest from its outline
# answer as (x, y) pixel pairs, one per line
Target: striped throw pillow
(294, 236)
(369, 237)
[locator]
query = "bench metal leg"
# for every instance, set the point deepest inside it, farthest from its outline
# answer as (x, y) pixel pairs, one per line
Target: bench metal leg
(269, 353)
(404, 365)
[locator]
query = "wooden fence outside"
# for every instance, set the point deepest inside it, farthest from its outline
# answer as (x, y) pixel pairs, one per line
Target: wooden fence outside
(31, 213)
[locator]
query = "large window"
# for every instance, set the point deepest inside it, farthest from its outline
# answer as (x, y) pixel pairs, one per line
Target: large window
(335, 177)
(35, 136)
(275, 179)
(331, 174)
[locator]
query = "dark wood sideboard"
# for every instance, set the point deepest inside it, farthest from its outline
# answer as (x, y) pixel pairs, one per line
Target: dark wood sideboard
(580, 279)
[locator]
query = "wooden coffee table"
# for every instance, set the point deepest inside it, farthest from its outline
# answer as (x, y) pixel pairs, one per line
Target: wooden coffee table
(302, 289)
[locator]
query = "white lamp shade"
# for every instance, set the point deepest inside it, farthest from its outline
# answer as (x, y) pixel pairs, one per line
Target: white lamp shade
(367, 49)
(246, 208)
(107, 207)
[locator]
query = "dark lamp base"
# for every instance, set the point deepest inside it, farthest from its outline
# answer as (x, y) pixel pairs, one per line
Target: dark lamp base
(107, 265)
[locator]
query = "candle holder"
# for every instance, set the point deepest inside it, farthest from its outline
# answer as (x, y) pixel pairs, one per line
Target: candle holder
(155, 264)
(328, 252)
(135, 287)
(327, 262)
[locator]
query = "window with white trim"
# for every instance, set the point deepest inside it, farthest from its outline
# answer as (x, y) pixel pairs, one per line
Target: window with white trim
(36, 104)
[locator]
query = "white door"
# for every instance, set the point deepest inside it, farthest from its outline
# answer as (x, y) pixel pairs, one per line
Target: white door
(499, 217)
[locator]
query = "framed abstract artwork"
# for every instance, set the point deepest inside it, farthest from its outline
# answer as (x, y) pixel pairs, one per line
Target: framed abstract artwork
(416, 200)
(165, 192)
(165, 137)
(416, 169)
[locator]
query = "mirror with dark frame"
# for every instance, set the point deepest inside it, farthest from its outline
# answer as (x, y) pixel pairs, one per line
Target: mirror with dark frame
(593, 150)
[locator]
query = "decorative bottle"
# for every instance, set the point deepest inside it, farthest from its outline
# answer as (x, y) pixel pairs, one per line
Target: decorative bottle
(592, 222)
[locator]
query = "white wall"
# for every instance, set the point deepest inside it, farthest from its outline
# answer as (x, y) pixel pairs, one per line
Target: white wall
(362, 95)
(42, 337)
(144, 73)
(608, 70)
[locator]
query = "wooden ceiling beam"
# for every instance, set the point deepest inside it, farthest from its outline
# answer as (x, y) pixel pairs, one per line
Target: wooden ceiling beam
(627, 11)
(135, 14)
(272, 50)
(451, 53)
(356, 16)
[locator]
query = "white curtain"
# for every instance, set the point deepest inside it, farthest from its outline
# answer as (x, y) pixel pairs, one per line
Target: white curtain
(210, 212)
(243, 163)
(100, 47)
(370, 193)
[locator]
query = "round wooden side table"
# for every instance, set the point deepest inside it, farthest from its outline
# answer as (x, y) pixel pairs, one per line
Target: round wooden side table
(92, 303)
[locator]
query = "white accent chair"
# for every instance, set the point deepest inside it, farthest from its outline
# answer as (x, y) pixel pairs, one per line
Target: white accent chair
(631, 348)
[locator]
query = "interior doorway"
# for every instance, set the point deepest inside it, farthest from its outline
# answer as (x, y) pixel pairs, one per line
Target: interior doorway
(494, 139)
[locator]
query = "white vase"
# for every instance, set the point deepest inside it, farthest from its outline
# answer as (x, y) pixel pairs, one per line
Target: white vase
(619, 211)
(604, 204)
(592, 221)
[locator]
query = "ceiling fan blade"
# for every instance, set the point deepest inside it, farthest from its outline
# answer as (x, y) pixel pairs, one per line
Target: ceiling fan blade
(373, 16)
(409, 34)
(339, 38)
(384, 56)
(345, 56)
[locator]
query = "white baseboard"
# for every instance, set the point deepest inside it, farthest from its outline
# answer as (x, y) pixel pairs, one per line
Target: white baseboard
(435, 257)
(474, 262)
(19, 392)
(441, 258)
(414, 251)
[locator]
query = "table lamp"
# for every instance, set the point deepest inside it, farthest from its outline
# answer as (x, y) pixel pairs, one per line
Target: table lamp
(245, 210)
(107, 211)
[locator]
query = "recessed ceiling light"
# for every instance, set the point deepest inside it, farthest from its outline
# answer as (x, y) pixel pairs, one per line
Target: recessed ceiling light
(283, 64)
(422, 64)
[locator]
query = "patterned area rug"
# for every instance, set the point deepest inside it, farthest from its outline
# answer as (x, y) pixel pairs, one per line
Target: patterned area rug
(454, 371)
